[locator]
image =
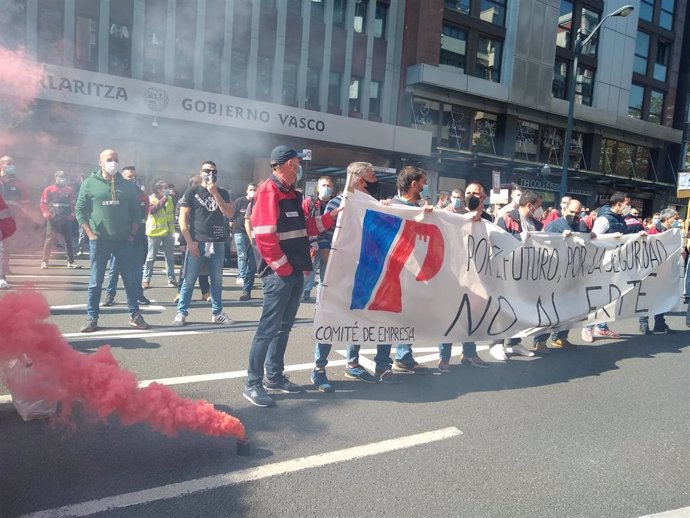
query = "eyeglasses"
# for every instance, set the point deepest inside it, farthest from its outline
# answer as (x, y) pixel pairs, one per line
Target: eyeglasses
(209, 170)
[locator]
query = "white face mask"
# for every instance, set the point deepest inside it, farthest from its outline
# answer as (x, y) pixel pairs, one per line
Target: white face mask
(110, 167)
(325, 191)
(250, 194)
(537, 214)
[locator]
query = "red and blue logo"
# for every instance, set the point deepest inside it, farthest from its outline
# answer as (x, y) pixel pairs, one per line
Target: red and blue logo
(385, 250)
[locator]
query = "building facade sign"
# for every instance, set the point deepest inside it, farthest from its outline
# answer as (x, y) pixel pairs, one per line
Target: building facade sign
(105, 91)
(538, 184)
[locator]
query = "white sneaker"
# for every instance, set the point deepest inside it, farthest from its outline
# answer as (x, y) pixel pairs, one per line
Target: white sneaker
(497, 352)
(239, 282)
(180, 320)
(521, 351)
(4, 285)
(222, 318)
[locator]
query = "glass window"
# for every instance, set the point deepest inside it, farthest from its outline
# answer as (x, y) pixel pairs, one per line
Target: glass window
(313, 85)
(666, 14)
(493, 11)
(317, 10)
(489, 59)
(560, 79)
(526, 140)
(656, 106)
(663, 53)
(635, 101)
(155, 15)
(551, 148)
(380, 20)
(590, 19)
(461, 6)
(375, 98)
(624, 159)
(484, 135)
(13, 34)
(185, 38)
(264, 77)
(86, 43)
(641, 53)
(425, 116)
(214, 36)
(334, 88)
(268, 4)
(355, 95)
(238, 72)
(360, 23)
(294, 7)
(338, 12)
(453, 47)
(565, 24)
(120, 41)
(647, 10)
(585, 86)
(290, 83)
(456, 129)
(50, 31)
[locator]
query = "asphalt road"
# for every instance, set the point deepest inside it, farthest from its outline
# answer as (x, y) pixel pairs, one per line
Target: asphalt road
(603, 431)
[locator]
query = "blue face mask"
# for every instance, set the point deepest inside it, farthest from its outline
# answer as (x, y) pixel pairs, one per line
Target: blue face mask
(425, 192)
(676, 224)
(457, 202)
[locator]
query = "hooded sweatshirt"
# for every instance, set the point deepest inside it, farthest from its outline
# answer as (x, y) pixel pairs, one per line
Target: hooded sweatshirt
(109, 208)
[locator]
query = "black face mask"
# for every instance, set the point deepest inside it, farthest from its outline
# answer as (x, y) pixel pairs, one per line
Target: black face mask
(572, 219)
(472, 202)
(210, 177)
(371, 187)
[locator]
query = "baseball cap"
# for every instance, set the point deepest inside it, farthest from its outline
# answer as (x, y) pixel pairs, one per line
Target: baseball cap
(282, 154)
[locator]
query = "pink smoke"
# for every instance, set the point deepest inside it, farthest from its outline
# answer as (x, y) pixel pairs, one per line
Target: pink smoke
(20, 77)
(96, 380)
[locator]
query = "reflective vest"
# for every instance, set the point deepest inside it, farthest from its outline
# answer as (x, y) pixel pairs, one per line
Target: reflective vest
(162, 223)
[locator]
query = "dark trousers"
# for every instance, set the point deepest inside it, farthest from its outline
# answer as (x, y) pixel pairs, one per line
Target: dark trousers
(54, 228)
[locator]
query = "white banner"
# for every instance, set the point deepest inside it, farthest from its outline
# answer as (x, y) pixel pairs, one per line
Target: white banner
(394, 276)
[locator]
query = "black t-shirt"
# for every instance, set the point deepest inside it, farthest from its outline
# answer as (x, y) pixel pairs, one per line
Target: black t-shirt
(241, 205)
(206, 222)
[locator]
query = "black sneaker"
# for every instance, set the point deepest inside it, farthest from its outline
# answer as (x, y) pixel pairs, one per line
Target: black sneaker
(138, 321)
(109, 300)
(664, 329)
(143, 301)
(387, 377)
(320, 380)
(245, 296)
(257, 396)
(410, 368)
(90, 326)
(283, 385)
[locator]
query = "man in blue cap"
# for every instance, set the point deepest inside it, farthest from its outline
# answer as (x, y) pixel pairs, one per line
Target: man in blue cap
(281, 233)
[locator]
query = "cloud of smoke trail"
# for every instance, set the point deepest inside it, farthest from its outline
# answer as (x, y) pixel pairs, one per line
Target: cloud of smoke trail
(96, 381)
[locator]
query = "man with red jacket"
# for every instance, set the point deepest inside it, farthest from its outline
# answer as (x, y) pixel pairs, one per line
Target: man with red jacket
(57, 207)
(281, 232)
(7, 228)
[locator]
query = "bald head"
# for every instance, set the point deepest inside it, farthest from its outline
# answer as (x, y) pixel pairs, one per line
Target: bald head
(573, 207)
(108, 161)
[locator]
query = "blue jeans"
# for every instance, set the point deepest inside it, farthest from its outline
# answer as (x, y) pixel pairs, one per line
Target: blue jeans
(281, 300)
(600, 327)
(154, 244)
(659, 321)
(139, 256)
(246, 264)
(468, 349)
(403, 354)
(100, 251)
(382, 358)
(317, 264)
(192, 265)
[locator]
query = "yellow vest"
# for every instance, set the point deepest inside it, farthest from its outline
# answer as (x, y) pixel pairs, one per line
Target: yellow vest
(162, 223)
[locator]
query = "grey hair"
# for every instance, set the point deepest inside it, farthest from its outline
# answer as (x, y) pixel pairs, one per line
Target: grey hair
(358, 169)
(667, 214)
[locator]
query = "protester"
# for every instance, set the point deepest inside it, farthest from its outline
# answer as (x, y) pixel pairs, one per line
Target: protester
(57, 208)
(363, 179)
(520, 223)
(455, 204)
(555, 213)
(667, 220)
(129, 173)
(108, 210)
(633, 221)
(313, 206)
(7, 228)
(246, 263)
(587, 222)
(567, 224)
(202, 223)
(281, 233)
(160, 232)
(610, 220)
(475, 194)
(515, 194)
(15, 194)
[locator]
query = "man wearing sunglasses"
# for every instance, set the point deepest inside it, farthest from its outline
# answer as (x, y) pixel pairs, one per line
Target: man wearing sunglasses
(202, 223)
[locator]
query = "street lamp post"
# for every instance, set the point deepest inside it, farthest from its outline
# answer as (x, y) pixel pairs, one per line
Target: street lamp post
(579, 45)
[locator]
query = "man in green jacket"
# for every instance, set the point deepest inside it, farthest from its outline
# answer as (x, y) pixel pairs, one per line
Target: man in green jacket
(108, 211)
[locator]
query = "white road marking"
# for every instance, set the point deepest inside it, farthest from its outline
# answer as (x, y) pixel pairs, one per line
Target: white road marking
(106, 308)
(234, 478)
(683, 512)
